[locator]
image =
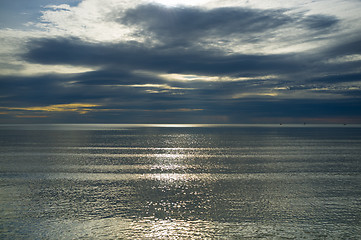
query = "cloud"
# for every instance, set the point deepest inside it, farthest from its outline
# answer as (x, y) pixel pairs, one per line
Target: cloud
(90, 20)
(65, 7)
(339, 78)
(320, 22)
(188, 43)
(121, 61)
(72, 107)
(197, 22)
(30, 116)
(139, 57)
(351, 45)
(193, 23)
(137, 71)
(227, 27)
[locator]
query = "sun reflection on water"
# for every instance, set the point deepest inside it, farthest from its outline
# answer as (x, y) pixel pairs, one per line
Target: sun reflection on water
(173, 158)
(177, 229)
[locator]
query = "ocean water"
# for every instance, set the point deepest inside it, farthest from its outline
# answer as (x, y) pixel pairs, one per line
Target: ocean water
(180, 182)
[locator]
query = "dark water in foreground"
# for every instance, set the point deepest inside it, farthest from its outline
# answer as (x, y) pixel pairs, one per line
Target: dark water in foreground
(154, 182)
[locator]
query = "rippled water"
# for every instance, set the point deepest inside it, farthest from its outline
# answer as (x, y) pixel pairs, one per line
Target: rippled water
(176, 182)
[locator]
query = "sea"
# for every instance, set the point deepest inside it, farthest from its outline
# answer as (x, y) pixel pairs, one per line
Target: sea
(180, 181)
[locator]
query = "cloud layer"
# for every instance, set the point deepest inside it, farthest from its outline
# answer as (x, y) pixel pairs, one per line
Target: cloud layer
(209, 63)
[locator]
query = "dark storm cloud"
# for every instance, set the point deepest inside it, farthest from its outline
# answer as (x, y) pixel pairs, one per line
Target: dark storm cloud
(139, 57)
(117, 62)
(115, 76)
(346, 47)
(339, 78)
(320, 22)
(193, 23)
(138, 106)
(41, 90)
(181, 29)
(57, 89)
(109, 88)
(185, 25)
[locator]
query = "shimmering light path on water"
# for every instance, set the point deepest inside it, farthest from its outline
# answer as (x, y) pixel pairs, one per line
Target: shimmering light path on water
(180, 182)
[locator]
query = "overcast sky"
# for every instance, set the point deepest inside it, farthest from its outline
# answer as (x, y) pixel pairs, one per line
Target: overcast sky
(180, 61)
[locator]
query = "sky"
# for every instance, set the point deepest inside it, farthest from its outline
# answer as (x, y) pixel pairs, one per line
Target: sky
(180, 61)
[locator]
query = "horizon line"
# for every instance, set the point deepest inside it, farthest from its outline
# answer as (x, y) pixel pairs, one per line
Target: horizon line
(184, 125)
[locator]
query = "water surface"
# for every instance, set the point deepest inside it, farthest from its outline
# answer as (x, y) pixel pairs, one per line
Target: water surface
(180, 182)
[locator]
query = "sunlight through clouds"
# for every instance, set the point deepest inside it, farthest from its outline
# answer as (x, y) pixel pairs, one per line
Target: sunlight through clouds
(189, 77)
(162, 86)
(80, 108)
(39, 69)
(250, 94)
